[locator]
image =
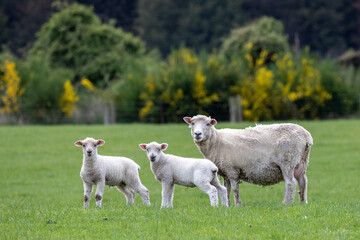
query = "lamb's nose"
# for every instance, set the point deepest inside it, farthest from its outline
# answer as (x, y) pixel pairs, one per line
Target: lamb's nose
(197, 134)
(152, 158)
(89, 152)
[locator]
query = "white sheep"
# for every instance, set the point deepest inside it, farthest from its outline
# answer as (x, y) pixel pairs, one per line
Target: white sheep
(169, 170)
(263, 155)
(113, 171)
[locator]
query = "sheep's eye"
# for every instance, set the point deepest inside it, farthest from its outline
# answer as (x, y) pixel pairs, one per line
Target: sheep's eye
(147, 150)
(192, 124)
(158, 150)
(84, 145)
(94, 145)
(208, 124)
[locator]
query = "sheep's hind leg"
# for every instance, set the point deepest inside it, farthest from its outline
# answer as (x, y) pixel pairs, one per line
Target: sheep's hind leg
(128, 192)
(235, 188)
(210, 190)
(135, 183)
(221, 190)
(302, 181)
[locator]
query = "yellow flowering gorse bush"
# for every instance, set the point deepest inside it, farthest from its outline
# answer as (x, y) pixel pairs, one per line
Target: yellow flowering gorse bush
(68, 99)
(10, 86)
(199, 90)
(301, 82)
(87, 84)
(181, 86)
(269, 92)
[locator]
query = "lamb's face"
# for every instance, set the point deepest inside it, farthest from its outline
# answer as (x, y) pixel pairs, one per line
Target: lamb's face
(200, 127)
(89, 146)
(154, 150)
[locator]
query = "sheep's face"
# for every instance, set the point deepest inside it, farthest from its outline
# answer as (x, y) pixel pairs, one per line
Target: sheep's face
(200, 127)
(154, 150)
(89, 146)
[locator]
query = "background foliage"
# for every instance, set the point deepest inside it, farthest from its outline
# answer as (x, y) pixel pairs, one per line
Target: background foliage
(75, 38)
(126, 83)
(263, 34)
(329, 27)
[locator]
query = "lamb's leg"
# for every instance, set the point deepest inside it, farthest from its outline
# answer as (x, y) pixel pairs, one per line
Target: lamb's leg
(99, 192)
(210, 190)
(221, 190)
(144, 194)
(137, 186)
(235, 188)
(302, 180)
(228, 189)
(167, 195)
(129, 194)
(290, 186)
(87, 194)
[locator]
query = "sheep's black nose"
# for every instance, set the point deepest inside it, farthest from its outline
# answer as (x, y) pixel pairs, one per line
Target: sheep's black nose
(197, 134)
(152, 158)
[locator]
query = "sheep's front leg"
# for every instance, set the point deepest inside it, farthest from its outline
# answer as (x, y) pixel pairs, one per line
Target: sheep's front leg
(227, 185)
(87, 194)
(235, 188)
(99, 192)
(167, 195)
(290, 188)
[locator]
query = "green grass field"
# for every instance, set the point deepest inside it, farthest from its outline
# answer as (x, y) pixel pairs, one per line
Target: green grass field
(42, 193)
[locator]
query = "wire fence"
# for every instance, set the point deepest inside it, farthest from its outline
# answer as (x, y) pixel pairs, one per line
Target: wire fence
(128, 111)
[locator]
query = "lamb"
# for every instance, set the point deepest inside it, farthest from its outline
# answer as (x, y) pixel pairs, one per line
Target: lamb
(113, 171)
(169, 170)
(263, 155)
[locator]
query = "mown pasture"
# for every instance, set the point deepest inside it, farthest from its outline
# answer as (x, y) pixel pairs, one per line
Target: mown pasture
(42, 193)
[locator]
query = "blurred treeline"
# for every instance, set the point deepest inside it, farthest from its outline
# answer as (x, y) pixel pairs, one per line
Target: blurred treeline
(162, 60)
(329, 27)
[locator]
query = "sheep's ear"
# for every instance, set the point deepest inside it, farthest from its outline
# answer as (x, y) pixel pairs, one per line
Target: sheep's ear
(164, 146)
(78, 143)
(100, 142)
(187, 120)
(213, 121)
(142, 146)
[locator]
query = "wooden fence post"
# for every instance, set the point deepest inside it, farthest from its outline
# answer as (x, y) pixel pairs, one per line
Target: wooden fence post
(109, 113)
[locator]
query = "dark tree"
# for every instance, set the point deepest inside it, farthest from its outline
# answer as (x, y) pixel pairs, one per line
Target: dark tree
(76, 39)
(123, 11)
(167, 24)
(24, 18)
(327, 26)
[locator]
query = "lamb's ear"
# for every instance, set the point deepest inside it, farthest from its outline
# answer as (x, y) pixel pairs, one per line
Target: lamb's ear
(100, 142)
(78, 143)
(213, 121)
(142, 146)
(187, 120)
(164, 146)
